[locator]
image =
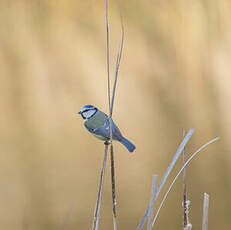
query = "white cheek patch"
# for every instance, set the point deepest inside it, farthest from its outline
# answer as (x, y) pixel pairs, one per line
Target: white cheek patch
(88, 113)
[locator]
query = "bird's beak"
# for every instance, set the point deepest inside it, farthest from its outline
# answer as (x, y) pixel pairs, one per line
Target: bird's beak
(81, 115)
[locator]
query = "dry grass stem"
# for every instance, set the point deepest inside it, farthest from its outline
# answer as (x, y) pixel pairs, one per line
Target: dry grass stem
(185, 211)
(175, 158)
(111, 105)
(113, 187)
(119, 54)
(167, 172)
(151, 204)
(99, 198)
(108, 58)
(188, 225)
(178, 174)
(205, 212)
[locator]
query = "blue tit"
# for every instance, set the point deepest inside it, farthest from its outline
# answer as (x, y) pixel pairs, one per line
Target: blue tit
(97, 123)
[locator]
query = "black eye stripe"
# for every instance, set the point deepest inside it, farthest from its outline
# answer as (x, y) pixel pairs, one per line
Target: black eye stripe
(92, 109)
(86, 110)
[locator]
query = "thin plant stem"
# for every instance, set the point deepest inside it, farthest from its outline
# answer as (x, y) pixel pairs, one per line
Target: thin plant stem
(185, 214)
(176, 156)
(151, 204)
(113, 187)
(167, 172)
(108, 57)
(205, 212)
(113, 181)
(173, 182)
(119, 54)
(111, 105)
(99, 198)
(108, 72)
(110, 123)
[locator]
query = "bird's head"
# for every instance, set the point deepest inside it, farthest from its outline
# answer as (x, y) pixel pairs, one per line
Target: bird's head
(88, 111)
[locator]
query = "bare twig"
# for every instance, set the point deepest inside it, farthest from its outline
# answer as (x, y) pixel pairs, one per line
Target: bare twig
(169, 169)
(186, 163)
(99, 198)
(151, 204)
(205, 212)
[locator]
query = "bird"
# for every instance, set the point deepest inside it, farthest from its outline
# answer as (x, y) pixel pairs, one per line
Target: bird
(98, 123)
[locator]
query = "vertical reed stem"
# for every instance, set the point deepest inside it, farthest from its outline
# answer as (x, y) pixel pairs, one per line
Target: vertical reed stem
(99, 198)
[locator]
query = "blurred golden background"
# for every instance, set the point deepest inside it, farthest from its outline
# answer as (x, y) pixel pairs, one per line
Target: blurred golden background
(175, 74)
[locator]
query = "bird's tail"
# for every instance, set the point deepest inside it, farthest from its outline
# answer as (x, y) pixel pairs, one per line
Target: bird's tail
(130, 147)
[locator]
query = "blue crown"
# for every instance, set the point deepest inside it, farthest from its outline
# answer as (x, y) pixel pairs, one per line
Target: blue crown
(87, 107)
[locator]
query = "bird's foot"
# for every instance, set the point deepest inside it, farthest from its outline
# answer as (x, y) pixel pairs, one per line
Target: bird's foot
(107, 142)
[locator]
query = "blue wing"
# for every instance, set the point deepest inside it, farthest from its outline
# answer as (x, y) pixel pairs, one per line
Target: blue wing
(105, 131)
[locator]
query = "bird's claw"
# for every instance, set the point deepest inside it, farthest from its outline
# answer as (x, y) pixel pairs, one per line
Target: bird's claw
(107, 142)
